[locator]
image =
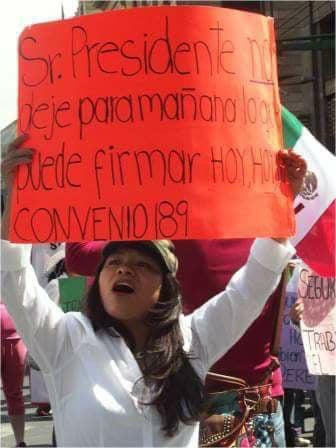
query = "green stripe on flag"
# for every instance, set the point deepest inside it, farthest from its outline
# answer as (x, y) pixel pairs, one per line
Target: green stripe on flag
(292, 128)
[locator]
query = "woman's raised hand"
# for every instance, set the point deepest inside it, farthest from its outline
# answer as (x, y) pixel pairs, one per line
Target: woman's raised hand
(13, 157)
(296, 169)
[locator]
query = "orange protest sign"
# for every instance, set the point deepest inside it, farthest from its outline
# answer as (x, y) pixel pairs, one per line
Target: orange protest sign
(158, 122)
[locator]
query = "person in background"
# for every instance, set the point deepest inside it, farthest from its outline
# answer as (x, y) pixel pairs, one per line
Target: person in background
(13, 365)
(294, 410)
(51, 267)
(325, 395)
(294, 398)
(13, 361)
(319, 435)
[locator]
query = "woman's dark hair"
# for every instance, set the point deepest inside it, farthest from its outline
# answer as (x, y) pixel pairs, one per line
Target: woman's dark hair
(178, 390)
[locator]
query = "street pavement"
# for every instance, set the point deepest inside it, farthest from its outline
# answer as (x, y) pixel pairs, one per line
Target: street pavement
(38, 430)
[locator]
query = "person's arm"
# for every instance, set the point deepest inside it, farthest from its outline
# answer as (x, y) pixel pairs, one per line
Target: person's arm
(221, 321)
(13, 158)
(40, 322)
(295, 315)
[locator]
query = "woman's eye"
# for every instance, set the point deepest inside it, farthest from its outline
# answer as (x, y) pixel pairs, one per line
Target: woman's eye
(143, 264)
(113, 262)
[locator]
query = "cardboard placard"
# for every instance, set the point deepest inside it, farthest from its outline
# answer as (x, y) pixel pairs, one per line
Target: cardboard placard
(292, 357)
(72, 291)
(151, 123)
(318, 325)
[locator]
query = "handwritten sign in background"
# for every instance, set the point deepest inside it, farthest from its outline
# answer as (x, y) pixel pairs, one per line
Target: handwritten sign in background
(318, 325)
(151, 123)
(292, 358)
(72, 291)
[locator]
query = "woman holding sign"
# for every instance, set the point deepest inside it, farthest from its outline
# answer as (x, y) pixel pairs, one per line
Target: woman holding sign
(129, 369)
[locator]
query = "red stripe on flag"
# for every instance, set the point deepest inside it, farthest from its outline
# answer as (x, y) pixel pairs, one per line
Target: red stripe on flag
(317, 249)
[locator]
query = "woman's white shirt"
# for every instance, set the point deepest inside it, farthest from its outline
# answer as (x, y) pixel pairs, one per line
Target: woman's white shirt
(94, 381)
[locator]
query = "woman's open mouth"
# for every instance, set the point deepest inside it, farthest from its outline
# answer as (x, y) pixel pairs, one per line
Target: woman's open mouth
(123, 288)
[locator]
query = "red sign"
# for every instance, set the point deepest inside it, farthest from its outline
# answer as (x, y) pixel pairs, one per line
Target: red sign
(151, 123)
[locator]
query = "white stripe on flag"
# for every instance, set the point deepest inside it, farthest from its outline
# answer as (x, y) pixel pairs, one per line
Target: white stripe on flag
(318, 196)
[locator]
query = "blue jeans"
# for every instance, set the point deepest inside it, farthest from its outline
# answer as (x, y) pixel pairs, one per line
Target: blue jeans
(279, 426)
(264, 423)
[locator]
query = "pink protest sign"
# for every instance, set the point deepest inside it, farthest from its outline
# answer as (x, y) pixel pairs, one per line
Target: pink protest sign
(318, 325)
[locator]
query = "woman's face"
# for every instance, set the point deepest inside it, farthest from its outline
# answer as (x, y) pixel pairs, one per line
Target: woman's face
(129, 284)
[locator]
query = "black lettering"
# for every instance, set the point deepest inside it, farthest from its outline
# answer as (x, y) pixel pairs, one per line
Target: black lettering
(206, 108)
(84, 112)
(17, 218)
(106, 48)
(40, 65)
(163, 48)
(40, 108)
(121, 166)
(221, 50)
(82, 229)
(124, 113)
(259, 58)
(80, 47)
(183, 47)
(231, 167)
(214, 163)
(309, 333)
(227, 48)
(58, 223)
(95, 221)
(184, 104)
(128, 56)
(203, 45)
(98, 167)
(74, 159)
(178, 165)
(150, 163)
(252, 110)
(140, 217)
(330, 343)
(173, 100)
(37, 228)
(303, 279)
(150, 100)
(256, 163)
(267, 60)
(167, 223)
(118, 223)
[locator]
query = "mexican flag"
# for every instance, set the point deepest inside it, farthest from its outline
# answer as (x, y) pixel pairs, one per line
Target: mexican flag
(315, 205)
